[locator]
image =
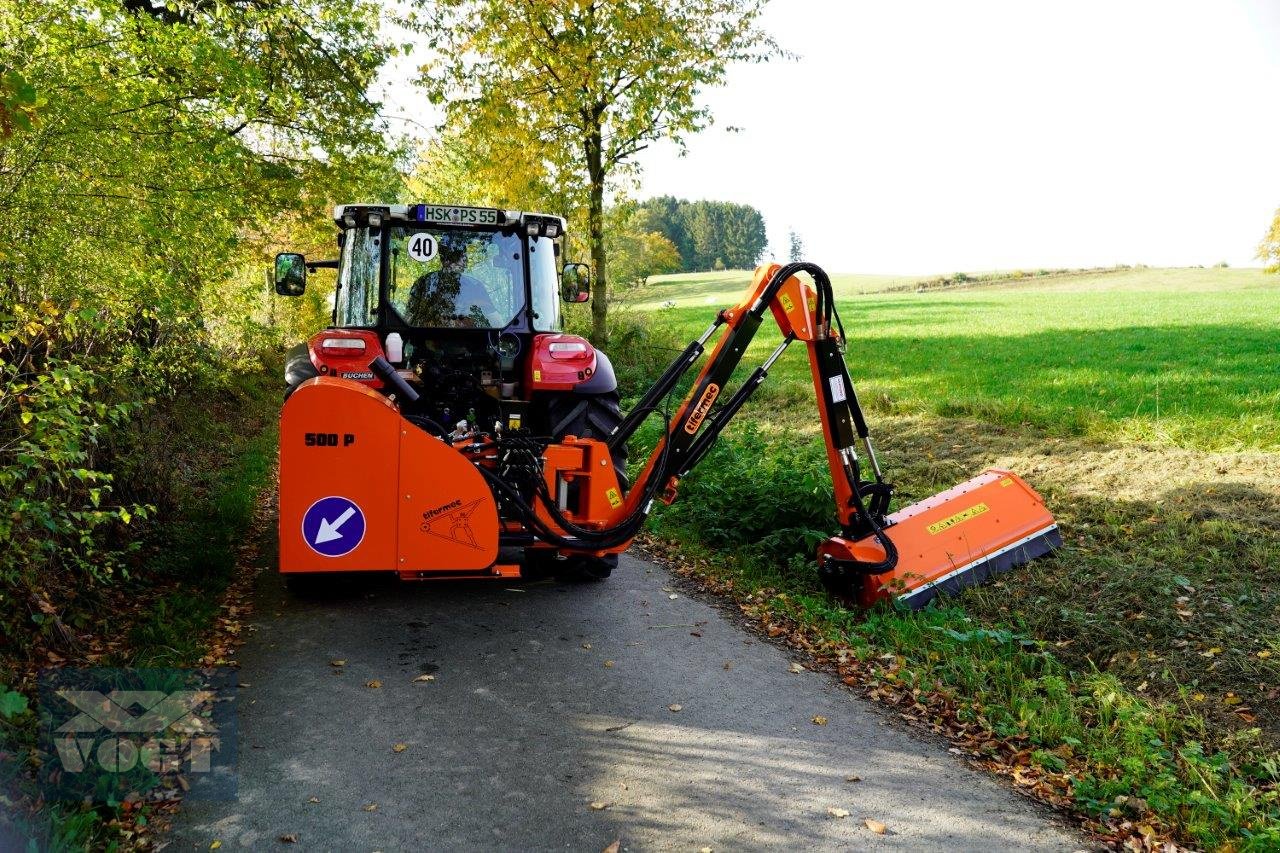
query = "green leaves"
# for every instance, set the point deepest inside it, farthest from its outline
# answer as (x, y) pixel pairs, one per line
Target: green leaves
(578, 88)
(12, 703)
(18, 103)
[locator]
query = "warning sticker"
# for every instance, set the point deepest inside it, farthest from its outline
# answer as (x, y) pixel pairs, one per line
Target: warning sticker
(948, 523)
(787, 304)
(838, 394)
(615, 499)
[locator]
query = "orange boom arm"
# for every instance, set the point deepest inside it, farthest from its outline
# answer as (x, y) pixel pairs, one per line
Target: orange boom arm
(941, 544)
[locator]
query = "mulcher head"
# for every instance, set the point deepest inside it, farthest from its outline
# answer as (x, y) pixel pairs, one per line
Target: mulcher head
(953, 540)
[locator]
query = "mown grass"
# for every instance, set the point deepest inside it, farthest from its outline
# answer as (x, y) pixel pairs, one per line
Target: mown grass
(1145, 651)
(761, 501)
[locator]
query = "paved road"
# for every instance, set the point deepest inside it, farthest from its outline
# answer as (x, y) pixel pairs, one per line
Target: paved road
(525, 726)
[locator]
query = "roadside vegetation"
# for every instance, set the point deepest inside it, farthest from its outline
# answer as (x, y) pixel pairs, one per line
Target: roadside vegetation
(152, 158)
(1132, 676)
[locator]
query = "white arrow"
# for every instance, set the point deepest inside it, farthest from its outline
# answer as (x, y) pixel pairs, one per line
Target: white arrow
(329, 530)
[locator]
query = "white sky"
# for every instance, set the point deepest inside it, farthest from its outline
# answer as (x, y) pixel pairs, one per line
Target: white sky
(941, 136)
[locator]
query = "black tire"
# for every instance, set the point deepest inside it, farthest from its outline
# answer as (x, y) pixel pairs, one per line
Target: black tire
(587, 416)
(297, 368)
(542, 564)
(308, 586)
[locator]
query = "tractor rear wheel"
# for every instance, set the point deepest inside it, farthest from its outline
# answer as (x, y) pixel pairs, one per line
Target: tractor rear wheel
(588, 416)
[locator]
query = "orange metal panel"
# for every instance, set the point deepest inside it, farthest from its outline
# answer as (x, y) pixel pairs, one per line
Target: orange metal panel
(587, 463)
(361, 489)
(340, 440)
(793, 309)
(448, 520)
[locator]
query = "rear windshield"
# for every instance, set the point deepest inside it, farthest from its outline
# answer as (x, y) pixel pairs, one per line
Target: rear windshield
(456, 279)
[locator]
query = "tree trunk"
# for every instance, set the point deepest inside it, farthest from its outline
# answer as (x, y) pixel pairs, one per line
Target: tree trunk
(595, 222)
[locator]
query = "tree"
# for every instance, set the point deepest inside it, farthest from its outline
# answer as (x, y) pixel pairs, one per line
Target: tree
(744, 238)
(704, 231)
(153, 154)
(584, 85)
(704, 224)
(1269, 250)
(795, 246)
(636, 253)
(665, 215)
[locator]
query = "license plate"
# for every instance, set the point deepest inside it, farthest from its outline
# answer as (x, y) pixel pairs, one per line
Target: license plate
(458, 215)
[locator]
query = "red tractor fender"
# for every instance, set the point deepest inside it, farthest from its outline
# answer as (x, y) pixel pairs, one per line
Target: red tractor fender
(561, 362)
(346, 353)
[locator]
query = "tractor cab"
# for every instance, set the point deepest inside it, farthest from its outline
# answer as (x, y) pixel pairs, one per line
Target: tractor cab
(465, 303)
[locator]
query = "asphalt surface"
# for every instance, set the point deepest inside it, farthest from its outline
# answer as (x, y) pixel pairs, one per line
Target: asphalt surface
(549, 698)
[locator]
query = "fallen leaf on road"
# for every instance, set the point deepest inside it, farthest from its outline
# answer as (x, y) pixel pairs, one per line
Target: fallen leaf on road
(608, 664)
(337, 663)
(586, 645)
(819, 720)
(675, 708)
(876, 826)
(673, 596)
(795, 667)
(728, 664)
(372, 807)
(313, 799)
(291, 838)
(374, 684)
(853, 778)
(425, 678)
(599, 806)
(613, 848)
(215, 845)
(400, 747)
(704, 850)
(835, 812)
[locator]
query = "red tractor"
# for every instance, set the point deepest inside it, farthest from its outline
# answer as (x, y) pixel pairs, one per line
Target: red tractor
(464, 303)
(444, 426)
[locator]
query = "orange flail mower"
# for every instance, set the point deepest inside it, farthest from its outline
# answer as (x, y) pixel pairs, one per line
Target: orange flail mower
(442, 311)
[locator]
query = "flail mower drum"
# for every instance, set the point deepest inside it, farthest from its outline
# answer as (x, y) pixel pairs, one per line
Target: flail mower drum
(443, 312)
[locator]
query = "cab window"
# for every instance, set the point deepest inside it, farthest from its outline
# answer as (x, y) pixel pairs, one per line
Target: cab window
(455, 279)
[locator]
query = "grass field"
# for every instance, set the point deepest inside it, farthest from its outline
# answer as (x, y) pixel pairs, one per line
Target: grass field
(1187, 357)
(1145, 405)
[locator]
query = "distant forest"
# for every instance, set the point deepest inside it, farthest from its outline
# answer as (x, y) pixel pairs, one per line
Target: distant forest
(707, 234)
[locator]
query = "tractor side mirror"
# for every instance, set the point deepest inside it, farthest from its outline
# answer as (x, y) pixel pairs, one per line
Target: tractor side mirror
(290, 274)
(575, 284)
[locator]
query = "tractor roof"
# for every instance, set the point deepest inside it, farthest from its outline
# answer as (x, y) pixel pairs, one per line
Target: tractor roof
(547, 224)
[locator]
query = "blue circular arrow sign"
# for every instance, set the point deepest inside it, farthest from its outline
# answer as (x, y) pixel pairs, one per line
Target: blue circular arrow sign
(333, 526)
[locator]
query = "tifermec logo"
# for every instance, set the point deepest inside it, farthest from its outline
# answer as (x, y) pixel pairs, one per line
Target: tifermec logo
(111, 733)
(700, 411)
